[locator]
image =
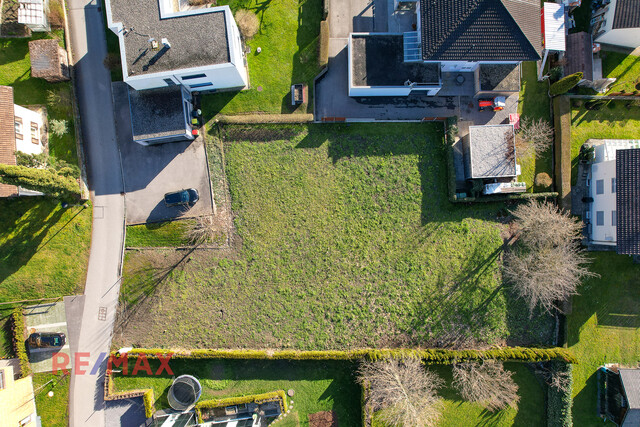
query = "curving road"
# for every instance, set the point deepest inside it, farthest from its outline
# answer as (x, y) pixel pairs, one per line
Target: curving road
(93, 89)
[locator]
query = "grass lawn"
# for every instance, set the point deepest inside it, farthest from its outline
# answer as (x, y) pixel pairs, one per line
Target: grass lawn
(534, 103)
(458, 412)
(158, 234)
(289, 40)
(53, 410)
(15, 70)
(44, 249)
(318, 386)
(604, 327)
(343, 231)
(625, 68)
(618, 122)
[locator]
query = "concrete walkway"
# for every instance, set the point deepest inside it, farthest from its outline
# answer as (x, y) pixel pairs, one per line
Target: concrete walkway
(93, 86)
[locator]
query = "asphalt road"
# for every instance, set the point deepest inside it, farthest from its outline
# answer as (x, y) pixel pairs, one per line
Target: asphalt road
(93, 87)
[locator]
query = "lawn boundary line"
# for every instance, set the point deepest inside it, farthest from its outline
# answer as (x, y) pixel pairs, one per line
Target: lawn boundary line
(262, 118)
(439, 356)
(148, 397)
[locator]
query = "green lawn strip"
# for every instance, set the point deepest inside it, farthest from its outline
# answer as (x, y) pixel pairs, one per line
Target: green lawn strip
(344, 229)
(534, 104)
(614, 121)
(318, 386)
(604, 327)
(624, 68)
(44, 249)
(170, 233)
(53, 410)
(15, 71)
(288, 37)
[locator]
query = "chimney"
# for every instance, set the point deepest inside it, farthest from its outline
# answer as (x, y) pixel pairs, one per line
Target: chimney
(166, 43)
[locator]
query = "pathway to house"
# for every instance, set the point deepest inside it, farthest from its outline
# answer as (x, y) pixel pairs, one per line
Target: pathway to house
(93, 86)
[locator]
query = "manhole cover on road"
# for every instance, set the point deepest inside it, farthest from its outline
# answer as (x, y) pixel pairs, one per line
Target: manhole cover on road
(102, 313)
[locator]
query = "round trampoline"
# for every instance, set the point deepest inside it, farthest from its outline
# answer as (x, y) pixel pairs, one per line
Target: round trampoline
(184, 392)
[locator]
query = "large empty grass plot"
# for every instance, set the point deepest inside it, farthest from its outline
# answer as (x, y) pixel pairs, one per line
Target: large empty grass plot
(345, 238)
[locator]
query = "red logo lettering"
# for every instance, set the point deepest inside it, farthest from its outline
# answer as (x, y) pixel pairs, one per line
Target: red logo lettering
(142, 360)
(60, 365)
(80, 363)
(164, 364)
(117, 361)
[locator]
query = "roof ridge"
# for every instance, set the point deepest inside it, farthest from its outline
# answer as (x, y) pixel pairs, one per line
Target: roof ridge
(516, 22)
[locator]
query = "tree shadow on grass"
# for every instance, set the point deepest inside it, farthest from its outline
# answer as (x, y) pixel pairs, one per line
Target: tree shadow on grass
(30, 222)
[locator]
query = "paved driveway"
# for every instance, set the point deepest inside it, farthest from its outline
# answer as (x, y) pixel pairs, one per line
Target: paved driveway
(151, 171)
(46, 318)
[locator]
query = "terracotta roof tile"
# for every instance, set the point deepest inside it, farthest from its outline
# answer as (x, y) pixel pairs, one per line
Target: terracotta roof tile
(7, 136)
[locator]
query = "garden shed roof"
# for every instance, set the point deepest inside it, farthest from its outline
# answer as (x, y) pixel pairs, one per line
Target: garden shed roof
(492, 151)
(48, 60)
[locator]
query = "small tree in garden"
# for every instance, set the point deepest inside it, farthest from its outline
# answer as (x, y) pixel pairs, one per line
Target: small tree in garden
(486, 383)
(248, 23)
(565, 84)
(547, 263)
(58, 127)
(534, 137)
(403, 391)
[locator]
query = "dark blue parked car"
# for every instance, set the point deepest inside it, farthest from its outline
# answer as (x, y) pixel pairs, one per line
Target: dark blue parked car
(183, 197)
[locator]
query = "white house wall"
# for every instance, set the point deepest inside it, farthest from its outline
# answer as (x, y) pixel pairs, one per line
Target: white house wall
(624, 37)
(222, 76)
(604, 234)
(25, 145)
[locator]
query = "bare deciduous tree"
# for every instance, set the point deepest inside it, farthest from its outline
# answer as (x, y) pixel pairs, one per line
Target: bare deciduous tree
(486, 383)
(547, 263)
(404, 392)
(205, 229)
(534, 136)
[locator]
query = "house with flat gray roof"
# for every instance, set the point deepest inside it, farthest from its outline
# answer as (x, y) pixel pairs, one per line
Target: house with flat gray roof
(161, 45)
(490, 152)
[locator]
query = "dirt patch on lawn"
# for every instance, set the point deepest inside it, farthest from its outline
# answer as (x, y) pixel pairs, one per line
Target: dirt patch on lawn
(323, 419)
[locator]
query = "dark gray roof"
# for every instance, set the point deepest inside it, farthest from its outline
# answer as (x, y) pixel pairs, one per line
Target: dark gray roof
(627, 14)
(499, 77)
(196, 40)
(579, 55)
(631, 382)
(378, 60)
(492, 151)
(480, 30)
(628, 201)
(157, 112)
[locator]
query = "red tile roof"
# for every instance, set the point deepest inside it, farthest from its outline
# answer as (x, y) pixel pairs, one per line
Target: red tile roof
(7, 136)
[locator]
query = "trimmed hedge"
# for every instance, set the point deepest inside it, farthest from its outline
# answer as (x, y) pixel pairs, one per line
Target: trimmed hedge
(565, 84)
(148, 399)
(559, 402)
(18, 342)
(439, 356)
(323, 57)
(46, 181)
(230, 401)
(264, 118)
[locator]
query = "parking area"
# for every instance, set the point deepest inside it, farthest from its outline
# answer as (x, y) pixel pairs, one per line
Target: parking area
(152, 171)
(46, 318)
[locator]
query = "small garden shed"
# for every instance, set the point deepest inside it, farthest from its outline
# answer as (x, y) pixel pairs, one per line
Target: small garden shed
(48, 60)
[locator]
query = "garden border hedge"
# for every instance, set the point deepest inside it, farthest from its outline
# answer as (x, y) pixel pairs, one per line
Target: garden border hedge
(559, 402)
(148, 397)
(18, 342)
(229, 401)
(440, 356)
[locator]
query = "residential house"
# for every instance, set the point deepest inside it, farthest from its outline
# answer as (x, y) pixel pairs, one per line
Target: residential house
(33, 14)
(160, 45)
(167, 54)
(447, 45)
(612, 214)
(490, 156)
(617, 23)
(48, 60)
(21, 130)
(17, 403)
